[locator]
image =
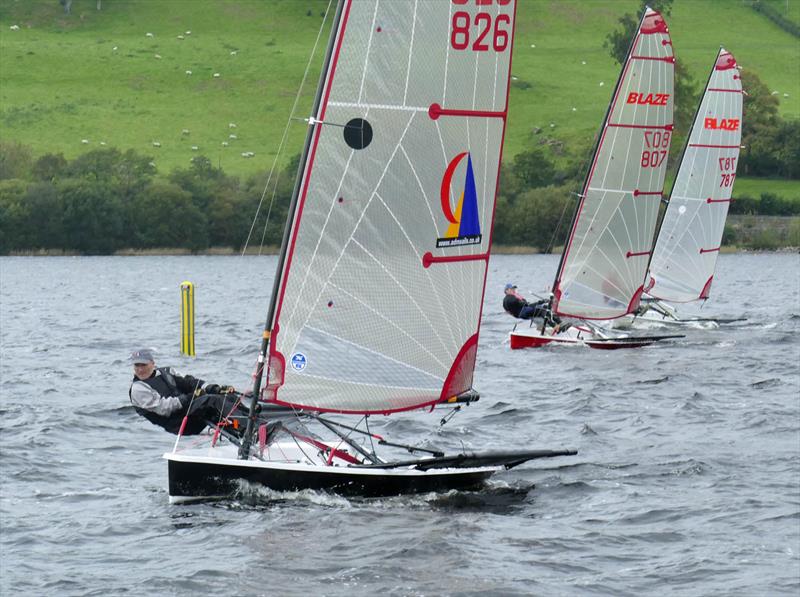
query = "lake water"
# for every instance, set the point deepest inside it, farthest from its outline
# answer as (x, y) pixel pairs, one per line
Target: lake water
(687, 480)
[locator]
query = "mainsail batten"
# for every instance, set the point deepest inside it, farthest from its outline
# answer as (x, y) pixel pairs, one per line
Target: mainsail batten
(378, 267)
(604, 263)
(685, 254)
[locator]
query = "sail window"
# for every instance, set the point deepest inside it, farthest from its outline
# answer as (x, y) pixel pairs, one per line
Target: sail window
(358, 133)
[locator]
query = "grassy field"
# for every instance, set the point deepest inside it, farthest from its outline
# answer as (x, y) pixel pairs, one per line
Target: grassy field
(753, 187)
(555, 38)
(96, 76)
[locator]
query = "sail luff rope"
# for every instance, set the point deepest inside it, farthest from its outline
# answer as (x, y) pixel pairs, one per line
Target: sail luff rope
(284, 138)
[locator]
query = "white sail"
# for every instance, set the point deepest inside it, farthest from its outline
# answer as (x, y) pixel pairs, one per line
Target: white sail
(608, 249)
(688, 244)
(381, 289)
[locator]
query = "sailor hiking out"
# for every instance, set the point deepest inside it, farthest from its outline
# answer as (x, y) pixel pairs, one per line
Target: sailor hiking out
(517, 306)
(165, 397)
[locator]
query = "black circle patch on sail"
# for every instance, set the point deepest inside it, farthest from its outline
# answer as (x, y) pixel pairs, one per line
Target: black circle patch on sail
(358, 133)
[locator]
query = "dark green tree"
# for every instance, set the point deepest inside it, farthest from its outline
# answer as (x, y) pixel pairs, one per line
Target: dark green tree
(771, 145)
(49, 167)
(93, 220)
(540, 217)
(534, 169)
(164, 215)
(272, 202)
(45, 223)
(14, 216)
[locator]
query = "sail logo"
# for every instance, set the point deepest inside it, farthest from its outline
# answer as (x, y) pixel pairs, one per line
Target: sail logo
(651, 99)
(721, 124)
(464, 228)
(299, 361)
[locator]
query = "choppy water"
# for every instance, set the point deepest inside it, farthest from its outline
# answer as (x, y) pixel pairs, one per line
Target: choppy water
(687, 481)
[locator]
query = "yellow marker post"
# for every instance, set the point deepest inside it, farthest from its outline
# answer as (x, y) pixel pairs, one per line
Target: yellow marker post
(187, 319)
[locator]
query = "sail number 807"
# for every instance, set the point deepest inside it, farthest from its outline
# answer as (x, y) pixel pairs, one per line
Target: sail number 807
(656, 145)
(481, 32)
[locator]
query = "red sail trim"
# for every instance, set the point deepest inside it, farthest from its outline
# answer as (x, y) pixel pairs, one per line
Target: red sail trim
(635, 299)
(340, 411)
(710, 200)
(307, 173)
(632, 306)
(485, 256)
(428, 258)
(669, 59)
(459, 378)
(706, 289)
(637, 192)
(660, 127)
(654, 23)
(499, 162)
(714, 146)
(435, 111)
(725, 61)
(725, 90)
(709, 250)
(630, 254)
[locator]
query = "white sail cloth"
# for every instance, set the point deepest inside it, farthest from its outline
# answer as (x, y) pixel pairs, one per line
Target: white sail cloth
(686, 251)
(382, 286)
(606, 256)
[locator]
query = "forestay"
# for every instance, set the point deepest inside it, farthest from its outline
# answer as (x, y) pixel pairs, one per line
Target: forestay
(381, 289)
(606, 256)
(688, 244)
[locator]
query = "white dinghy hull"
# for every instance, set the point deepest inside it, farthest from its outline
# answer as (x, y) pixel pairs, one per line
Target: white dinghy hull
(532, 337)
(217, 473)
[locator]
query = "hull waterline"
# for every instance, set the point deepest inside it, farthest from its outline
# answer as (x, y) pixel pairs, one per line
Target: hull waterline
(217, 473)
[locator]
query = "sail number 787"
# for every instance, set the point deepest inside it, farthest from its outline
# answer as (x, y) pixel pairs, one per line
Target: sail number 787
(727, 167)
(481, 32)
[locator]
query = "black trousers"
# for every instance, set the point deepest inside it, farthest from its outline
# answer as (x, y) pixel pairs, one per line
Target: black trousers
(213, 408)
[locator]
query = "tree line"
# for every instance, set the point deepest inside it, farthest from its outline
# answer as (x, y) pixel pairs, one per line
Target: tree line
(106, 200)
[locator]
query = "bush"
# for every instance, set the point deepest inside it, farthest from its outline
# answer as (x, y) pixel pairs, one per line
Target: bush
(766, 240)
(793, 236)
(729, 235)
(539, 217)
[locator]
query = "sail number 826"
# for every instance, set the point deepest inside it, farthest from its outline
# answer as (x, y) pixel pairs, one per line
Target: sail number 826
(482, 31)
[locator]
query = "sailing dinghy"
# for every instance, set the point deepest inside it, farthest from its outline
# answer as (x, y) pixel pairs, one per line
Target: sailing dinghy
(376, 303)
(685, 254)
(602, 268)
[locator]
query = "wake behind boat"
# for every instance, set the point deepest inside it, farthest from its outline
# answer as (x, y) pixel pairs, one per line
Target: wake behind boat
(376, 303)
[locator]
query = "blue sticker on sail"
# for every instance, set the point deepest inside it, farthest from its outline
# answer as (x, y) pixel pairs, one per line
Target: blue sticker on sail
(464, 227)
(299, 361)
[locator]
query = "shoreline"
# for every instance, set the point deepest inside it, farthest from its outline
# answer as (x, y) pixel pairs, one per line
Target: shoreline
(273, 250)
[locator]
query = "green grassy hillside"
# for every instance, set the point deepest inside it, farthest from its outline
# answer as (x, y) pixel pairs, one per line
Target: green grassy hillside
(96, 76)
